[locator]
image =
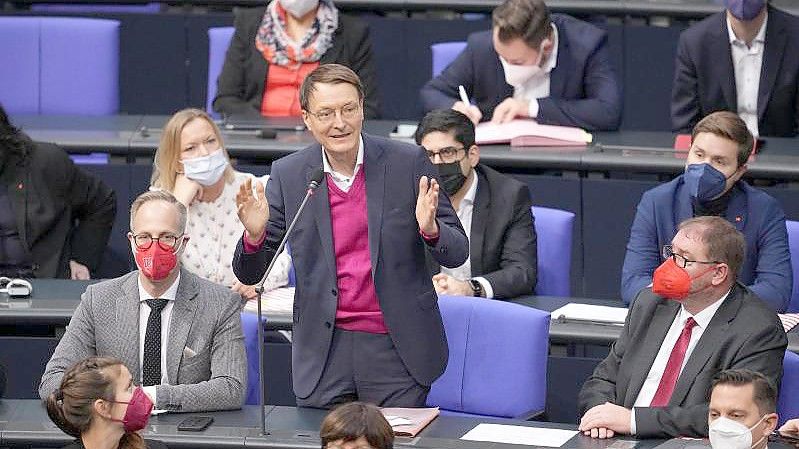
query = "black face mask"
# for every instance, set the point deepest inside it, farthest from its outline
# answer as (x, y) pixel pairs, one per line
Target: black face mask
(451, 176)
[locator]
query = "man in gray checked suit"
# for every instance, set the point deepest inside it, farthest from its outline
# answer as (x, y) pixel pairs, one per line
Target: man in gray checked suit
(178, 334)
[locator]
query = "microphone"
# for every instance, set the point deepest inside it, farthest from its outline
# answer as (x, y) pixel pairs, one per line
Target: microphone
(316, 179)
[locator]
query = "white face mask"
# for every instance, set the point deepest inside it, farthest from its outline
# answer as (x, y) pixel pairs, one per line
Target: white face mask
(728, 434)
(206, 170)
(518, 75)
(299, 8)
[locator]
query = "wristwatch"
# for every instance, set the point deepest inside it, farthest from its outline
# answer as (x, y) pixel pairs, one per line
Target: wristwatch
(477, 288)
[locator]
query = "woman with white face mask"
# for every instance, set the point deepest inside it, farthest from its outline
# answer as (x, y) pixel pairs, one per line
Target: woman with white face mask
(192, 164)
(275, 47)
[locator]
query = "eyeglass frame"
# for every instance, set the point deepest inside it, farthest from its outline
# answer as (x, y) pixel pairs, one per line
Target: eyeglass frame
(157, 240)
(668, 252)
(333, 111)
(431, 154)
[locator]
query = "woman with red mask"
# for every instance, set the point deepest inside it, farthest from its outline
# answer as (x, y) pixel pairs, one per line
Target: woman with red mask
(98, 404)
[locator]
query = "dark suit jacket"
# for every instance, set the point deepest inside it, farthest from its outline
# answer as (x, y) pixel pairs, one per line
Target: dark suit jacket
(758, 216)
(240, 86)
(583, 88)
(502, 242)
(704, 78)
(744, 333)
(49, 195)
(404, 289)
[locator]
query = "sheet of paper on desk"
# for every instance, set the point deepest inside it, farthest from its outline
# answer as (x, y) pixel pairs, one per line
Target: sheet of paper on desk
(531, 436)
(530, 133)
(277, 301)
(589, 312)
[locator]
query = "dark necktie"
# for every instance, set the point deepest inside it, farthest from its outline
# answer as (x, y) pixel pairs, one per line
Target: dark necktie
(151, 367)
(672, 371)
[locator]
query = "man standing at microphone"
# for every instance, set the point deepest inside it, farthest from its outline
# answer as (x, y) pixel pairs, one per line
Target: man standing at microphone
(366, 320)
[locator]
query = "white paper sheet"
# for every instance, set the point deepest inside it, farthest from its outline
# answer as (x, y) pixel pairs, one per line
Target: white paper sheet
(589, 312)
(531, 436)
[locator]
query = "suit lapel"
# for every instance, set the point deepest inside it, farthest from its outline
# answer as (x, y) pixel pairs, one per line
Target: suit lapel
(715, 333)
(18, 195)
(563, 67)
(659, 326)
(375, 173)
(737, 211)
(773, 52)
(482, 201)
(182, 318)
(725, 71)
(127, 312)
(321, 209)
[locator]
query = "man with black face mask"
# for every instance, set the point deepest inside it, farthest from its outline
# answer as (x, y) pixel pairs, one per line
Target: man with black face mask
(712, 185)
(740, 60)
(494, 210)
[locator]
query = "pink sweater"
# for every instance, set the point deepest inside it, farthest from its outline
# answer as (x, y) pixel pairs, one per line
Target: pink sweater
(358, 308)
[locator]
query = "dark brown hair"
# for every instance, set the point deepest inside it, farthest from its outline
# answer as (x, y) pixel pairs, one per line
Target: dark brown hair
(71, 406)
(328, 74)
(724, 243)
(527, 20)
(729, 126)
(765, 393)
(353, 420)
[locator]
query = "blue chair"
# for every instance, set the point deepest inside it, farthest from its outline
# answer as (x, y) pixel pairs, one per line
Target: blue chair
(90, 8)
(497, 359)
(218, 43)
(61, 65)
(249, 326)
(553, 228)
(793, 246)
(444, 53)
(787, 404)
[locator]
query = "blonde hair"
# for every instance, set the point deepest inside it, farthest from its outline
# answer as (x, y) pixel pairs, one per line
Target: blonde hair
(167, 157)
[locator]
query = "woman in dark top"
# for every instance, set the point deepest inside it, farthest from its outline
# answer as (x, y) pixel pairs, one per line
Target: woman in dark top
(275, 47)
(98, 404)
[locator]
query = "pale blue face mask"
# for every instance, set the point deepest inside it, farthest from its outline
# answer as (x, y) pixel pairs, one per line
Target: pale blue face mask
(745, 10)
(704, 182)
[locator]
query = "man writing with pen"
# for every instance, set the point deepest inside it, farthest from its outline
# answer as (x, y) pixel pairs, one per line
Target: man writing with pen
(366, 320)
(551, 68)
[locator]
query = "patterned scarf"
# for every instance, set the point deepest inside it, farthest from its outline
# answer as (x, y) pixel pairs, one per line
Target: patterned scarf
(277, 47)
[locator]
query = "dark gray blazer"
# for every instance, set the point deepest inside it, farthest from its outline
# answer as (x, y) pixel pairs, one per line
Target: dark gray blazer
(744, 333)
(205, 318)
(502, 244)
(240, 86)
(397, 251)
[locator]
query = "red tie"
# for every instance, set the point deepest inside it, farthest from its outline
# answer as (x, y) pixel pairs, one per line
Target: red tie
(672, 371)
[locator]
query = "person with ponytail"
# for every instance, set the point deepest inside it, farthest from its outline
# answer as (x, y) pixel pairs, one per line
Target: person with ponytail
(98, 404)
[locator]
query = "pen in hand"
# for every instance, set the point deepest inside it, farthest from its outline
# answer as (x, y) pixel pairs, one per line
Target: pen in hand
(464, 97)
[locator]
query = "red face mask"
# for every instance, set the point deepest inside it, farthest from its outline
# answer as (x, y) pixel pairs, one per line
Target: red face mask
(155, 262)
(138, 412)
(673, 282)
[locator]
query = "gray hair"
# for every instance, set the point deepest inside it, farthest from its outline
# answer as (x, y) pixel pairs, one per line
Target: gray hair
(159, 195)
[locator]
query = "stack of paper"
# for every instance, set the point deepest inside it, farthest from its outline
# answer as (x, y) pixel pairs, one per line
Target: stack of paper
(588, 312)
(279, 301)
(408, 422)
(530, 133)
(531, 436)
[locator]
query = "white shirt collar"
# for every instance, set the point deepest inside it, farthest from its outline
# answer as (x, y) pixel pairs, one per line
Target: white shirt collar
(336, 175)
(703, 318)
(553, 58)
(170, 293)
(760, 37)
(471, 193)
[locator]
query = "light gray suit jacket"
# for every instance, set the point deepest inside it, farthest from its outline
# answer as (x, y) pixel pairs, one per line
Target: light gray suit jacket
(205, 319)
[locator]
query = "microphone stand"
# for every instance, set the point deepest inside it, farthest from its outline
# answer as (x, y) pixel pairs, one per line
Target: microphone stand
(259, 288)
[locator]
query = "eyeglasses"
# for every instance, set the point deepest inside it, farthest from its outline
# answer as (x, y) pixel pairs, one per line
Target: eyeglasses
(679, 260)
(447, 154)
(166, 242)
(348, 111)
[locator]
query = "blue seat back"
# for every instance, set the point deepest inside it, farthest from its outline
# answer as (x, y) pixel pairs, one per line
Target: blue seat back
(249, 326)
(554, 230)
(793, 246)
(788, 403)
(218, 43)
(444, 53)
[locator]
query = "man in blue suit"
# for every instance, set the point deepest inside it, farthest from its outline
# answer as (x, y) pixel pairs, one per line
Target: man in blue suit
(366, 320)
(740, 60)
(554, 69)
(712, 185)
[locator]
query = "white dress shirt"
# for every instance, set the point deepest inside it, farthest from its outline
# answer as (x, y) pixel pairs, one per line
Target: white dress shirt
(652, 380)
(166, 319)
(538, 86)
(342, 181)
(747, 62)
(465, 210)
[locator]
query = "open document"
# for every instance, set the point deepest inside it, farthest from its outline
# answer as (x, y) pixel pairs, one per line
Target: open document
(277, 301)
(528, 133)
(531, 436)
(588, 312)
